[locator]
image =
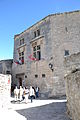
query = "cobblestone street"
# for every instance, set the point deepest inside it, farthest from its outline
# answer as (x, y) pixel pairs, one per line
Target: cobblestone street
(55, 110)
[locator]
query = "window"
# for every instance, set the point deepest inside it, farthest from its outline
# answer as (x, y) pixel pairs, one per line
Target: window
(66, 29)
(21, 57)
(36, 33)
(19, 54)
(38, 47)
(34, 48)
(22, 41)
(8, 72)
(43, 75)
(37, 52)
(34, 54)
(25, 76)
(36, 76)
(22, 53)
(66, 52)
(38, 55)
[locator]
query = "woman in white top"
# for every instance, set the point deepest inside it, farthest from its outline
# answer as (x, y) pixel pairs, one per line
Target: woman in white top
(26, 95)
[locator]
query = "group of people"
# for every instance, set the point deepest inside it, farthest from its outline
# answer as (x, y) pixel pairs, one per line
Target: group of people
(25, 93)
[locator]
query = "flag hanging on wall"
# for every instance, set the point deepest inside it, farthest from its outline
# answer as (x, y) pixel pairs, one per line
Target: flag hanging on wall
(18, 62)
(32, 58)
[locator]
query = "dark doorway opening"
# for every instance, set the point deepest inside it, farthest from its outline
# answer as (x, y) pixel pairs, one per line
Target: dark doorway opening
(20, 82)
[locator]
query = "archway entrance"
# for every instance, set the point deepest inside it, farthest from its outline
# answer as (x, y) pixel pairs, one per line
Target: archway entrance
(20, 79)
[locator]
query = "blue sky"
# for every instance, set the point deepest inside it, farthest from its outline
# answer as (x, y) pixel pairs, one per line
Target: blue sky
(18, 15)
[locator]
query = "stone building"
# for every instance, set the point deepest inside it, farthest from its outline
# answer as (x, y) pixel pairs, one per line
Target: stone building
(6, 66)
(40, 51)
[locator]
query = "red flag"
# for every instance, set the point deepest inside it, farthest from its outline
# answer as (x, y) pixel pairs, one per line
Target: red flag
(18, 62)
(22, 61)
(32, 58)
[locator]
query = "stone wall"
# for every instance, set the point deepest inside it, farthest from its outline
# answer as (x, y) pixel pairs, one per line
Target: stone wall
(6, 66)
(72, 83)
(5, 90)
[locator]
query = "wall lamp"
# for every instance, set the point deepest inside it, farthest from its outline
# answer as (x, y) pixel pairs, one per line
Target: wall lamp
(51, 66)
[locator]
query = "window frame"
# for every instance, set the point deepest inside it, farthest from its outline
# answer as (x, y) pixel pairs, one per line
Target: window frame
(37, 52)
(36, 33)
(21, 56)
(22, 41)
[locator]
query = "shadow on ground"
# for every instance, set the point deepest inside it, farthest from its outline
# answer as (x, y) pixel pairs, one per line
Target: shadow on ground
(52, 111)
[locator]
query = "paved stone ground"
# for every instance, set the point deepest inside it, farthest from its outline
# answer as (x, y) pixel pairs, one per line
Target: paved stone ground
(51, 111)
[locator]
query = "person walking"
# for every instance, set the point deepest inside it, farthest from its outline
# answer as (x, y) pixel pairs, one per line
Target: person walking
(26, 95)
(37, 92)
(16, 93)
(21, 93)
(31, 93)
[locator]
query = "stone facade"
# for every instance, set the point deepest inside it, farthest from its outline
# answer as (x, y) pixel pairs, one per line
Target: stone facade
(57, 37)
(72, 83)
(6, 66)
